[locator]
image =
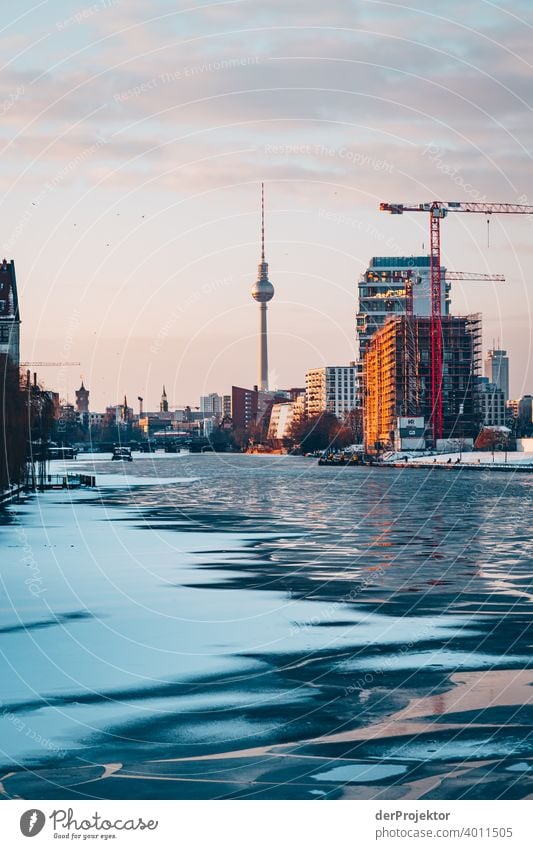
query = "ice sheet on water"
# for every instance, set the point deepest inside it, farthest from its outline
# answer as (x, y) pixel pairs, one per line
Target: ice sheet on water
(520, 767)
(440, 659)
(491, 746)
(360, 773)
(130, 481)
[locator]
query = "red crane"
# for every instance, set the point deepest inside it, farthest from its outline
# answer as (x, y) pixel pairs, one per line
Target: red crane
(438, 210)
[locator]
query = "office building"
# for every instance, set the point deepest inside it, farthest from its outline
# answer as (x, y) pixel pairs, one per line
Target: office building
(212, 405)
(491, 404)
(497, 370)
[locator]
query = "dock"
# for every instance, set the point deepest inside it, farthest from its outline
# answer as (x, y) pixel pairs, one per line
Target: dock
(67, 481)
(523, 468)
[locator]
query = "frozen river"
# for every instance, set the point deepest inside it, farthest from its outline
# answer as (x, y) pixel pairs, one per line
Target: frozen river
(227, 626)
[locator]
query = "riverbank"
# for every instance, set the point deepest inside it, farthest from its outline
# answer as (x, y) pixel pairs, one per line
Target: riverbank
(474, 460)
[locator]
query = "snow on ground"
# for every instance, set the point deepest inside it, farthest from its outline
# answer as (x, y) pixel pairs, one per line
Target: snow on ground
(468, 457)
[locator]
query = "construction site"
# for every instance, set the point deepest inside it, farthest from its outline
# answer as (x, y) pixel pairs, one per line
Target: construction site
(421, 366)
(397, 399)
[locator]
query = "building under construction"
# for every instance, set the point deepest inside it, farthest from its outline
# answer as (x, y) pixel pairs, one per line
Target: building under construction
(397, 379)
(382, 293)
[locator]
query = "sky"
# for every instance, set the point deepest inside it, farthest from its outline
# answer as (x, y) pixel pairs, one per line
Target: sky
(134, 137)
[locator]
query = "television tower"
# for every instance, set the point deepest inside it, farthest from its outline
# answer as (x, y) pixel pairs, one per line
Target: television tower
(263, 291)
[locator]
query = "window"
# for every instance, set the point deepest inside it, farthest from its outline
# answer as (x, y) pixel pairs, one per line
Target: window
(5, 332)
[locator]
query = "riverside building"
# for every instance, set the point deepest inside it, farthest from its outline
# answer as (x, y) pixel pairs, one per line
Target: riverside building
(397, 379)
(9, 313)
(497, 370)
(491, 400)
(382, 294)
(332, 389)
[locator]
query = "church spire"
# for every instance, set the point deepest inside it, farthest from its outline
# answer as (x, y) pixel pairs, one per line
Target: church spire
(163, 404)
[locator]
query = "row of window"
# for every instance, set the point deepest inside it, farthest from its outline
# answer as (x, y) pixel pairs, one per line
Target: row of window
(6, 331)
(400, 262)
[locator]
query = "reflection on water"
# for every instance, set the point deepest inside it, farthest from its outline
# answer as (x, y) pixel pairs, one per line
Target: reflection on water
(228, 626)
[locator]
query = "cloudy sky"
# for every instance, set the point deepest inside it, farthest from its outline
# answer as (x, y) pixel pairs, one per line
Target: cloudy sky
(134, 137)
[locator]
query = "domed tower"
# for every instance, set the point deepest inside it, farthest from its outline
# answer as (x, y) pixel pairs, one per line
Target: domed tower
(263, 291)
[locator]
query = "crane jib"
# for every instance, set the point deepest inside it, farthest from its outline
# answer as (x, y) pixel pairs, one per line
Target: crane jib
(458, 206)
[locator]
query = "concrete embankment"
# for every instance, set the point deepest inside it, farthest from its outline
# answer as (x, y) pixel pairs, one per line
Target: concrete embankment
(490, 467)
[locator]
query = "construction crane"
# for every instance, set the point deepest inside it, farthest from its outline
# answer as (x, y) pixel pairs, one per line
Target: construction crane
(474, 275)
(410, 401)
(450, 276)
(36, 365)
(438, 210)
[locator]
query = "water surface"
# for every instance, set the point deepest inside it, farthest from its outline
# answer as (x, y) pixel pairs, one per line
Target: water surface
(241, 627)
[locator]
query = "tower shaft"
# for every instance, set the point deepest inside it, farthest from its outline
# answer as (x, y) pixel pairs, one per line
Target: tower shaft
(263, 348)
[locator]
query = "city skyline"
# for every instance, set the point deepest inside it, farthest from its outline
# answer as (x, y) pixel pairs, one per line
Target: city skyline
(130, 178)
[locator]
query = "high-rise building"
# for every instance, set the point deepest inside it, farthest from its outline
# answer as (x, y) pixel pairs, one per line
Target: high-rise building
(9, 312)
(331, 389)
(226, 406)
(212, 405)
(397, 378)
(491, 402)
(497, 369)
(82, 399)
(163, 403)
(382, 294)
(262, 292)
(244, 406)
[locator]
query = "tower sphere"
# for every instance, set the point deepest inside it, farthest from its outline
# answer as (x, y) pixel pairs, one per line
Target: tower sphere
(262, 290)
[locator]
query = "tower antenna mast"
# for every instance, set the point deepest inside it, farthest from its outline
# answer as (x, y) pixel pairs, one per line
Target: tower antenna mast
(262, 222)
(262, 292)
